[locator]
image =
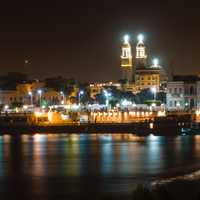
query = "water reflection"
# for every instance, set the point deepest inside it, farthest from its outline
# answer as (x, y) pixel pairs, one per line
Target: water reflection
(107, 155)
(39, 163)
(90, 159)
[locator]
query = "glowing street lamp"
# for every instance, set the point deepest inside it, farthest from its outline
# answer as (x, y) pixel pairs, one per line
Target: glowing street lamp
(63, 97)
(107, 95)
(31, 97)
(40, 94)
(6, 107)
(153, 90)
(79, 96)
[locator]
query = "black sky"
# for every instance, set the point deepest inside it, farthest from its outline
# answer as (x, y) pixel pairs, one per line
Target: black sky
(81, 39)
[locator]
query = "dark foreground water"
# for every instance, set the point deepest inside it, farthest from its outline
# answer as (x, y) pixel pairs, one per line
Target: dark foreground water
(62, 166)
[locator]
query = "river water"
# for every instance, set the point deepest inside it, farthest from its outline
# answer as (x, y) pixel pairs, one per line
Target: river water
(57, 166)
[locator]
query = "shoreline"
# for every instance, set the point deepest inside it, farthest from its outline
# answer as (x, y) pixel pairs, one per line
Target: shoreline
(140, 129)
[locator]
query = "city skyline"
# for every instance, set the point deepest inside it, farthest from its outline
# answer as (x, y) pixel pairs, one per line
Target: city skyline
(84, 42)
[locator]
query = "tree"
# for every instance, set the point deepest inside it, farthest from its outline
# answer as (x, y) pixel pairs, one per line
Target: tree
(145, 95)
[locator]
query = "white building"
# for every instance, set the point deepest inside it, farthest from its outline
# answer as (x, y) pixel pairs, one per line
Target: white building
(183, 93)
(175, 95)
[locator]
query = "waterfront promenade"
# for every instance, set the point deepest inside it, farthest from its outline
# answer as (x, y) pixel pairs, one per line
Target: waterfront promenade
(170, 125)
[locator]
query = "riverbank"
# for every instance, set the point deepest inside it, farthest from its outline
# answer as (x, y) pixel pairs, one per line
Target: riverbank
(170, 125)
(141, 128)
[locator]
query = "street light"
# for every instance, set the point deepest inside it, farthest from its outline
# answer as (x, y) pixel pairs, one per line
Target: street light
(153, 90)
(31, 96)
(40, 93)
(63, 96)
(79, 96)
(107, 95)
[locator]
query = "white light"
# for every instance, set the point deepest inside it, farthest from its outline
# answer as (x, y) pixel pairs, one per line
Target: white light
(155, 62)
(107, 94)
(126, 103)
(140, 38)
(6, 107)
(39, 91)
(197, 112)
(81, 92)
(161, 113)
(38, 114)
(50, 117)
(75, 107)
(153, 137)
(30, 93)
(126, 39)
(61, 92)
(153, 89)
(25, 107)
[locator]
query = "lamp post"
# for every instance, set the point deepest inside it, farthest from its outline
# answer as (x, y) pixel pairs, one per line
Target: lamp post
(107, 95)
(63, 97)
(153, 90)
(40, 94)
(31, 97)
(79, 96)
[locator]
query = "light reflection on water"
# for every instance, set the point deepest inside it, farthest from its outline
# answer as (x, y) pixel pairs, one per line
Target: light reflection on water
(106, 155)
(85, 157)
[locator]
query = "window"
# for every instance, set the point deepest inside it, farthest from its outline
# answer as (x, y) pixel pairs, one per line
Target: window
(175, 90)
(170, 90)
(170, 103)
(180, 90)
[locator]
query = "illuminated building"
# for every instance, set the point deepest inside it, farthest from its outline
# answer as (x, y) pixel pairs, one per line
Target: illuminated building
(96, 88)
(141, 55)
(126, 60)
(183, 93)
(175, 95)
(146, 76)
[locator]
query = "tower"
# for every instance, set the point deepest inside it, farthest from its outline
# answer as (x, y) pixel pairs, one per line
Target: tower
(141, 56)
(126, 60)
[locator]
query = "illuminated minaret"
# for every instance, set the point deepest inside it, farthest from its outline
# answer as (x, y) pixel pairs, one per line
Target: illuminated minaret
(126, 60)
(141, 56)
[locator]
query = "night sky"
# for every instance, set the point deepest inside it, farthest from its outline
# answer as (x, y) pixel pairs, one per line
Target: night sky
(82, 39)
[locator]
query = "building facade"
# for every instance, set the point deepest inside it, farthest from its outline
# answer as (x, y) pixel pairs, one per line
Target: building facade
(147, 78)
(146, 75)
(183, 93)
(126, 61)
